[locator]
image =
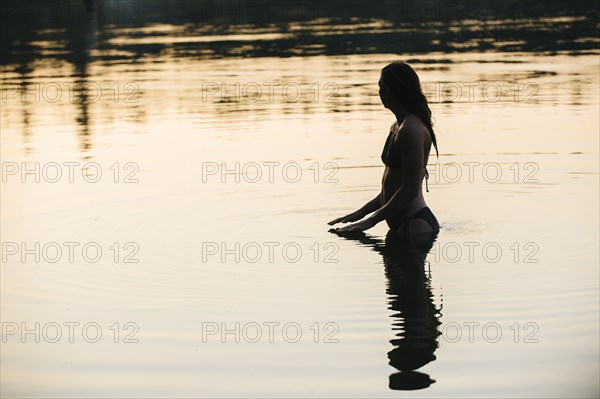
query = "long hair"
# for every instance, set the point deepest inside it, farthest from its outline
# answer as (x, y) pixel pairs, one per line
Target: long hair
(404, 87)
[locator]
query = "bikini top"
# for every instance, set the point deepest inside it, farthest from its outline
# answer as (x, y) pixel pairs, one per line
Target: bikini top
(392, 158)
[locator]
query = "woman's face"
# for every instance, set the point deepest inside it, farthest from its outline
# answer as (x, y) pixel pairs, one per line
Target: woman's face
(383, 93)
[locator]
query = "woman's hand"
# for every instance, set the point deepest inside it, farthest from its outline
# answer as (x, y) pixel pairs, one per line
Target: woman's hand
(363, 225)
(351, 217)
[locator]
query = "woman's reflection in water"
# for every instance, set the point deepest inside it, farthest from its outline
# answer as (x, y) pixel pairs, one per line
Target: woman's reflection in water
(416, 318)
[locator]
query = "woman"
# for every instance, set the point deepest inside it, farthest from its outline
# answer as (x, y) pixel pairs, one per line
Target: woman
(401, 203)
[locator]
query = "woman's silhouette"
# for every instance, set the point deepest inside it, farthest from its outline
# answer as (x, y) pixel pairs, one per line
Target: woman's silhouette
(400, 202)
(413, 227)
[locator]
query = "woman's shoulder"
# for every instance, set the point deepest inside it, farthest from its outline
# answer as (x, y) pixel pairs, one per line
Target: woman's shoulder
(412, 130)
(413, 124)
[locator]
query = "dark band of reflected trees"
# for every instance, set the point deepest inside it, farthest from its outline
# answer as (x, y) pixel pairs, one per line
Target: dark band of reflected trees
(315, 27)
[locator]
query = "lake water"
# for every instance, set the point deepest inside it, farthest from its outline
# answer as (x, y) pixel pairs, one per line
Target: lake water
(188, 157)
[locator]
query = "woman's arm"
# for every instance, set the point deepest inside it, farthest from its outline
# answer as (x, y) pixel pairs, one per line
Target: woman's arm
(368, 208)
(371, 206)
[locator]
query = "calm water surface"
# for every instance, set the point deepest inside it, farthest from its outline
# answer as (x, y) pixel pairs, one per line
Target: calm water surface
(504, 304)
